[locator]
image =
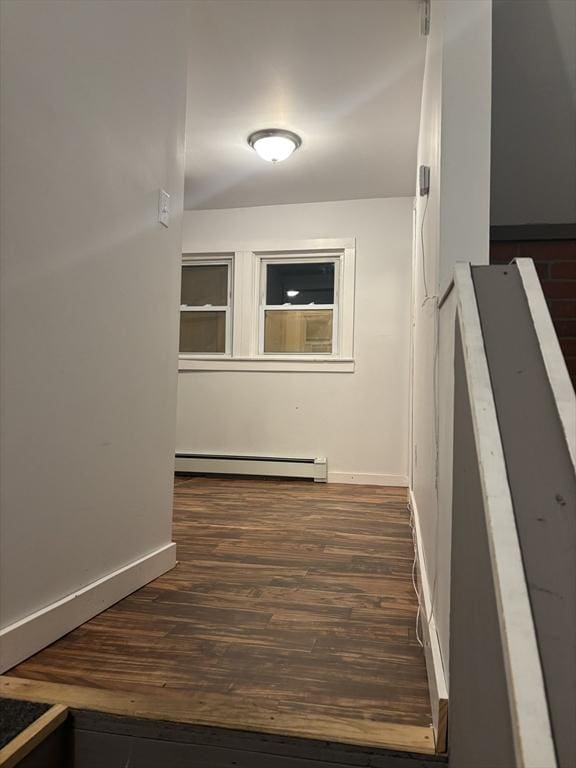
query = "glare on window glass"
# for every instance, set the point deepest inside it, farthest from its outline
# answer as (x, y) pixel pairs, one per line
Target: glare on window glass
(298, 330)
(300, 283)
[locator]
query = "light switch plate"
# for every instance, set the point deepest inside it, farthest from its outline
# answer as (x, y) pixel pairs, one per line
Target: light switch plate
(164, 208)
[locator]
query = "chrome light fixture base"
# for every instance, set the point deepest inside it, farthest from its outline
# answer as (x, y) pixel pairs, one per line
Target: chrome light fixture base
(274, 144)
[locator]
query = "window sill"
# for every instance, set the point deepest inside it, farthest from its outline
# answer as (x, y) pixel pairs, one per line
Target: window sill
(269, 364)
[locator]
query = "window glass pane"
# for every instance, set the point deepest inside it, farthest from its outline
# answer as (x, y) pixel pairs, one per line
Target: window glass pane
(202, 332)
(298, 330)
(204, 284)
(303, 283)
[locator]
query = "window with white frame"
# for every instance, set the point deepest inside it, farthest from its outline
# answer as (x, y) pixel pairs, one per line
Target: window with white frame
(299, 298)
(205, 307)
(287, 307)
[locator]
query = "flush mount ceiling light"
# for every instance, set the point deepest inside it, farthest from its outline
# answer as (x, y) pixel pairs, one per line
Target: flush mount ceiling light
(274, 144)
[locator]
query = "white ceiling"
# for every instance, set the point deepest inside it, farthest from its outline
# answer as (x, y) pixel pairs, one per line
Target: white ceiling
(346, 75)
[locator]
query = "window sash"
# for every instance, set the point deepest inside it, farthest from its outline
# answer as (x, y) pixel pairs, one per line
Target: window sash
(191, 261)
(263, 307)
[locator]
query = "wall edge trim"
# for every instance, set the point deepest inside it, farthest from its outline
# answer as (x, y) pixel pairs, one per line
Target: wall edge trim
(23, 638)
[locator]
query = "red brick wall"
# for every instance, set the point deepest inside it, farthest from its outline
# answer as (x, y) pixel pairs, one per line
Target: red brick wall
(555, 261)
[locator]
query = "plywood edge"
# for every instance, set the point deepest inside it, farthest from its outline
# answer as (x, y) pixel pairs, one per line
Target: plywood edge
(216, 710)
(441, 731)
(434, 665)
(22, 639)
(28, 739)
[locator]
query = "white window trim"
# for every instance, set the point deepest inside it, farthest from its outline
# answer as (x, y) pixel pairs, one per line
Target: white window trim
(248, 261)
(202, 261)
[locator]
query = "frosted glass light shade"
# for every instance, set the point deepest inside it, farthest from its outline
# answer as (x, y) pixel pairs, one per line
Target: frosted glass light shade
(274, 145)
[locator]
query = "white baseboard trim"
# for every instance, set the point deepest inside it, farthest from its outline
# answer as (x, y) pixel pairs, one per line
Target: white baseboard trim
(363, 478)
(22, 639)
(434, 665)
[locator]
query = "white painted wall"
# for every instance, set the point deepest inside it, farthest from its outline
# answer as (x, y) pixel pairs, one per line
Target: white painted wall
(534, 112)
(452, 225)
(358, 420)
(92, 110)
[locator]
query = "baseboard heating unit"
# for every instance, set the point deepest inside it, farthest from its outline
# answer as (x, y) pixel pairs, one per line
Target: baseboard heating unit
(272, 466)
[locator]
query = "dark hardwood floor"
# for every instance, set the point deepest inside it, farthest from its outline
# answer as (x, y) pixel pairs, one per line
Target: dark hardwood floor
(291, 609)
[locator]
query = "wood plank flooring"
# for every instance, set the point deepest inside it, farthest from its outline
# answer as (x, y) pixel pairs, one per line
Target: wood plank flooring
(291, 610)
